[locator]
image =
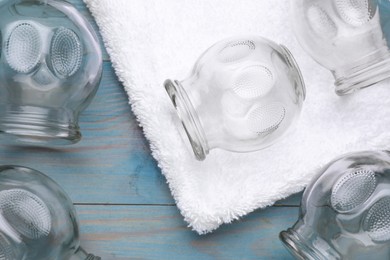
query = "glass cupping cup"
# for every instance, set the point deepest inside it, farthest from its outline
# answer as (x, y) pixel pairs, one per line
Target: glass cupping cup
(242, 95)
(351, 38)
(345, 211)
(50, 69)
(37, 218)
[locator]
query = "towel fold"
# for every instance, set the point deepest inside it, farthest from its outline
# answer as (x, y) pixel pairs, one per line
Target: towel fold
(149, 41)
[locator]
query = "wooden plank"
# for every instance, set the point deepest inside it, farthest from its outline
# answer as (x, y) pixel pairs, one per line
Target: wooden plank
(155, 232)
(112, 163)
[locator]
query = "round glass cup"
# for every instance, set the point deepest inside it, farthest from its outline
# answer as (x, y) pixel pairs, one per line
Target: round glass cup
(37, 218)
(243, 94)
(50, 69)
(345, 211)
(351, 38)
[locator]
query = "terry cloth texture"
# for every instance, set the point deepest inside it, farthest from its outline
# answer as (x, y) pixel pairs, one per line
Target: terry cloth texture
(149, 41)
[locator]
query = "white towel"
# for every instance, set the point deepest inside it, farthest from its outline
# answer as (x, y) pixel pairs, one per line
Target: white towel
(150, 41)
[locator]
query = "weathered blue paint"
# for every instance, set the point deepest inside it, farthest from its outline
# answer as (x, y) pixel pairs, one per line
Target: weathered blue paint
(158, 232)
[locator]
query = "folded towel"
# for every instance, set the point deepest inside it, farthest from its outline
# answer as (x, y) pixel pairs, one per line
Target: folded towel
(149, 41)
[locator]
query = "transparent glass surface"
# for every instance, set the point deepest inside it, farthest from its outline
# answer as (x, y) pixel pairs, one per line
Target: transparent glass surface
(50, 69)
(37, 219)
(345, 211)
(242, 95)
(351, 38)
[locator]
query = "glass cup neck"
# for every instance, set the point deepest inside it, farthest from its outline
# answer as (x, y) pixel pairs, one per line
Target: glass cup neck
(39, 125)
(367, 71)
(188, 117)
(305, 244)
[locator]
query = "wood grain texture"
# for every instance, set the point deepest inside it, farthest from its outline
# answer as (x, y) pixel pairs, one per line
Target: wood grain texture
(112, 164)
(123, 201)
(145, 232)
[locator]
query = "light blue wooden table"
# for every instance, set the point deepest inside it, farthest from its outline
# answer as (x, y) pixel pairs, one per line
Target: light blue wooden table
(125, 208)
